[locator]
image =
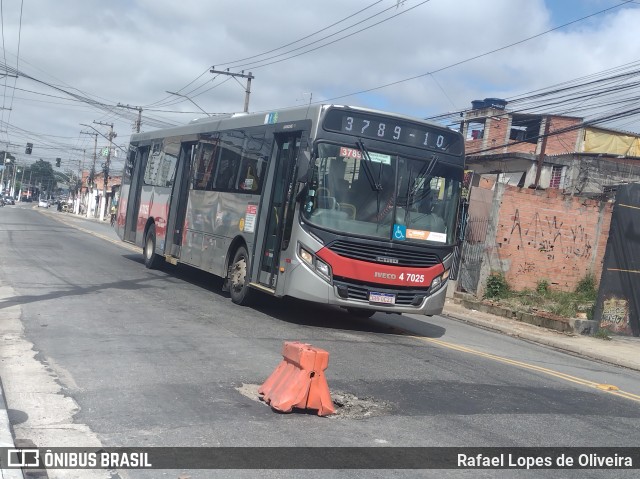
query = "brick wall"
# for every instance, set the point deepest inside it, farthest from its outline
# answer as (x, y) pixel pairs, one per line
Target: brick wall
(496, 134)
(561, 143)
(542, 235)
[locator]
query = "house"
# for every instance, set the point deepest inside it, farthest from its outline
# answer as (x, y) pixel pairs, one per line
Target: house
(547, 150)
(93, 192)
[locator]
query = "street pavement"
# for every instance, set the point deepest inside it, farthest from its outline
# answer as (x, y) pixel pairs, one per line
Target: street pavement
(618, 350)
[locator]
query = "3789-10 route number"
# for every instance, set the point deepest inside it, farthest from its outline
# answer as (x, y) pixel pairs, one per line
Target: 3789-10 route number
(411, 278)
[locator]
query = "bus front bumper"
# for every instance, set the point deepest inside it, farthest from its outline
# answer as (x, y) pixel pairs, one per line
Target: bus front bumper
(304, 284)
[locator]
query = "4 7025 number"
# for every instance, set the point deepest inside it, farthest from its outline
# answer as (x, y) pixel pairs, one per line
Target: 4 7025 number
(411, 277)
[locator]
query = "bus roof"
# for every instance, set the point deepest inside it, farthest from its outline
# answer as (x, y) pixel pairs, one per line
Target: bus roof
(243, 120)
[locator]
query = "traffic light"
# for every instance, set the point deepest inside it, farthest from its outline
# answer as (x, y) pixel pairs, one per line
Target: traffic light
(28, 149)
(58, 162)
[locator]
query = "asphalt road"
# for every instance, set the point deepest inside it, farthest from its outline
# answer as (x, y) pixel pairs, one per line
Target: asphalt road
(107, 353)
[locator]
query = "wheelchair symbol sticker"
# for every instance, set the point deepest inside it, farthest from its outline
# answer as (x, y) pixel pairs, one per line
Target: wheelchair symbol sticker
(399, 232)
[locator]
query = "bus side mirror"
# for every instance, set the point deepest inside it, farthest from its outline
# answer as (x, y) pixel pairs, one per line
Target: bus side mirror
(303, 165)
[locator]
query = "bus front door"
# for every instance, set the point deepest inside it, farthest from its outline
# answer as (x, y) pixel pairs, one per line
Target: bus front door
(275, 207)
(135, 188)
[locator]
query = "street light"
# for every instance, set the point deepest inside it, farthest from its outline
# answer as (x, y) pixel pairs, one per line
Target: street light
(185, 96)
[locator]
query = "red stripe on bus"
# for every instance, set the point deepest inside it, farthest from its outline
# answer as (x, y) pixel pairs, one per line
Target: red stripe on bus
(379, 273)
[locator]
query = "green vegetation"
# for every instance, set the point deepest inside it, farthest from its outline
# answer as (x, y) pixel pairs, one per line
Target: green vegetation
(543, 298)
(602, 334)
(542, 287)
(497, 287)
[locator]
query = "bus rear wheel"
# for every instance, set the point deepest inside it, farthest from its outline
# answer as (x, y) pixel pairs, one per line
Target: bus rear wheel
(361, 313)
(151, 259)
(239, 289)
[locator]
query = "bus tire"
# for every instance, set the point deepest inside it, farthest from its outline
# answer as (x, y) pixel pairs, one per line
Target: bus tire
(239, 289)
(151, 259)
(361, 313)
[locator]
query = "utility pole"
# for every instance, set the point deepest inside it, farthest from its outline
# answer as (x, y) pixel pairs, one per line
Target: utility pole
(249, 77)
(76, 200)
(21, 184)
(4, 167)
(541, 155)
(13, 182)
(93, 168)
(138, 122)
(105, 171)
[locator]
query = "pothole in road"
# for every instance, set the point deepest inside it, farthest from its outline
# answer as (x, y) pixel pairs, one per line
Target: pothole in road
(348, 406)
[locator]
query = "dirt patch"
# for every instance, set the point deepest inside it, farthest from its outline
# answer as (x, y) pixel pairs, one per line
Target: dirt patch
(349, 406)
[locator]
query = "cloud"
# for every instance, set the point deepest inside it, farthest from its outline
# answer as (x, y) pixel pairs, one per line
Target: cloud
(131, 52)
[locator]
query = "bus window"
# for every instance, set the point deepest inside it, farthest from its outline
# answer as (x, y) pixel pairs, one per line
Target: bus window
(254, 163)
(229, 162)
(204, 164)
(161, 166)
(167, 170)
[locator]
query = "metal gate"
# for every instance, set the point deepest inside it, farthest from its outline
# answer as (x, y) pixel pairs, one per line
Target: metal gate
(471, 253)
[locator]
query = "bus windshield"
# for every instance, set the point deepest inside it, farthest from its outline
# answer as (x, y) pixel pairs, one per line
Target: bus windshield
(377, 194)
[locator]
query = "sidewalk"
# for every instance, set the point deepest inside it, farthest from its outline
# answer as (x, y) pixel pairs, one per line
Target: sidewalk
(620, 350)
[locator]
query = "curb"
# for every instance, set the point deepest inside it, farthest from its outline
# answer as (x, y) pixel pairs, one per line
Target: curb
(6, 437)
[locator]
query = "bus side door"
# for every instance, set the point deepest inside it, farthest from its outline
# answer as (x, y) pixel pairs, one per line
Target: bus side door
(273, 208)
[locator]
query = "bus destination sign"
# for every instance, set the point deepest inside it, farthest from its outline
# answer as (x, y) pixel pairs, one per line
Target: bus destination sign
(365, 125)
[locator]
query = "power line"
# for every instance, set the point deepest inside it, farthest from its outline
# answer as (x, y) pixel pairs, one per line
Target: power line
(256, 64)
(475, 57)
(321, 30)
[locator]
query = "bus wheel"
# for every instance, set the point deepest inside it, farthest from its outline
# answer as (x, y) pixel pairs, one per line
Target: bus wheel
(238, 278)
(151, 259)
(361, 313)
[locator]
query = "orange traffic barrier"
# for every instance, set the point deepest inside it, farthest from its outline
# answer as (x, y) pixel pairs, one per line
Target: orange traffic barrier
(299, 380)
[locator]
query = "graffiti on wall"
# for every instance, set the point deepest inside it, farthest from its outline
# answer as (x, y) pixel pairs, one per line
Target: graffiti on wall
(615, 315)
(551, 237)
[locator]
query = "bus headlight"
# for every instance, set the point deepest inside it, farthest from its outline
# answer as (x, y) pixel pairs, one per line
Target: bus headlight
(306, 256)
(320, 267)
(439, 280)
(323, 268)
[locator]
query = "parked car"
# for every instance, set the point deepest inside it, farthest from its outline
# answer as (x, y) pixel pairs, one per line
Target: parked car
(8, 200)
(43, 203)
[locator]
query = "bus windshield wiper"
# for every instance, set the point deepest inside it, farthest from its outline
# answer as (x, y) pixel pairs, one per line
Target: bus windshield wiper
(424, 173)
(367, 166)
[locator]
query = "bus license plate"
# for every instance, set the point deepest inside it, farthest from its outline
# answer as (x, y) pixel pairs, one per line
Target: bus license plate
(385, 298)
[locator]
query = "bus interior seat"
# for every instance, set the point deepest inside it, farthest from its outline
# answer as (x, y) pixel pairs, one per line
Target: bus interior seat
(326, 202)
(322, 191)
(341, 189)
(349, 209)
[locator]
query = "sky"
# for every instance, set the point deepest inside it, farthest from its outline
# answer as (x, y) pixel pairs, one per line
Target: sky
(72, 63)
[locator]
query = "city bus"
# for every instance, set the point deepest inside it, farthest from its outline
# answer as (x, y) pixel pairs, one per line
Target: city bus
(330, 204)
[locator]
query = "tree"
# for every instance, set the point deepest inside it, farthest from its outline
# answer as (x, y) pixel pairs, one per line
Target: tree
(41, 175)
(10, 157)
